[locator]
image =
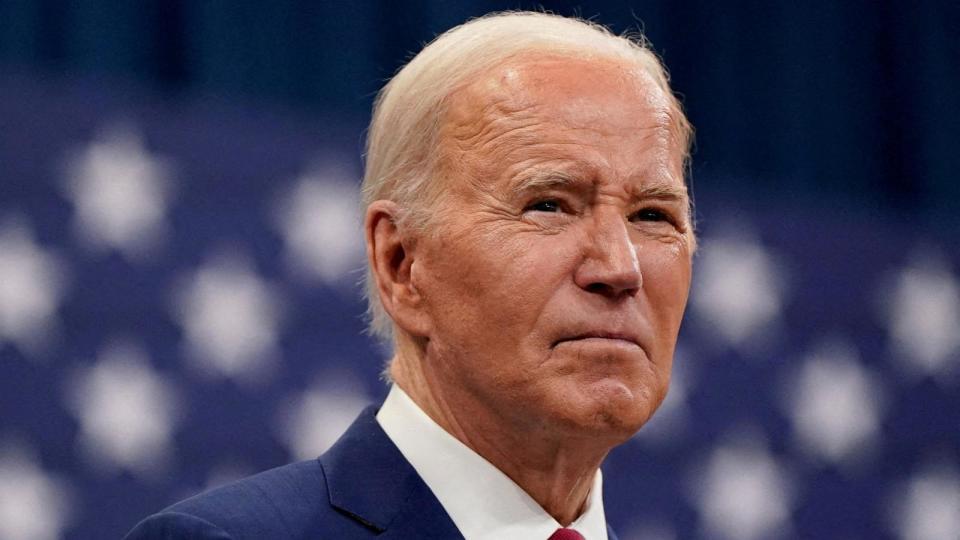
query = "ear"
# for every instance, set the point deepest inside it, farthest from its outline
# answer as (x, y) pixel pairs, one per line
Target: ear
(391, 255)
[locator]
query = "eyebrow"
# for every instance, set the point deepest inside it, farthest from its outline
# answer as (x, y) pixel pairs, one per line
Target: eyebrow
(552, 179)
(663, 192)
(548, 179)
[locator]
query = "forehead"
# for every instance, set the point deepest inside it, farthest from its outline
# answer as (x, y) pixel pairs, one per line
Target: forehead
(574, 90)
(558, 106)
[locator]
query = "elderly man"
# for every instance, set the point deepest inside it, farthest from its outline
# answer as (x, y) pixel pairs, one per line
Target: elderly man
(529, 241)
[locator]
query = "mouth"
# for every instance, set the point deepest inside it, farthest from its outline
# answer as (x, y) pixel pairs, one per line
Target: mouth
(612, 338)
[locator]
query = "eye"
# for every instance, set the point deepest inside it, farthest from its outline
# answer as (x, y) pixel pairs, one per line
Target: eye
(649, 214)
(546, 205)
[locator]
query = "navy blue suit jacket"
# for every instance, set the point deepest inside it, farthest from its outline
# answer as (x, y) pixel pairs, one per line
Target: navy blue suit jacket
(361, 488)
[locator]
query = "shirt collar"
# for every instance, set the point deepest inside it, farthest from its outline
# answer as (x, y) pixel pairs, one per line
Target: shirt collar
(482, 501)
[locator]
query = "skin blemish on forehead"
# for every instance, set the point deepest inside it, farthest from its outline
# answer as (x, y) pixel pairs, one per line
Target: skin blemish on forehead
(510, 78)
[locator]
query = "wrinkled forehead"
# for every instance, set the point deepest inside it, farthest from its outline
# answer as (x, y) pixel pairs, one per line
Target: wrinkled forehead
(573, 89)
(510, 106)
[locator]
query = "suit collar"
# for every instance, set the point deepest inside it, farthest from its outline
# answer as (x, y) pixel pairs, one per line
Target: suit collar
(369, 479)
(480, 499)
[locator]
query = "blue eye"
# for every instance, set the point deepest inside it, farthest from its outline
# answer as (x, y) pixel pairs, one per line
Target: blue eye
(548, 205)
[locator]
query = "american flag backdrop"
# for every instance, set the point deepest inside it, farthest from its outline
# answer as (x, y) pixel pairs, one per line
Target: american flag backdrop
(179, 308)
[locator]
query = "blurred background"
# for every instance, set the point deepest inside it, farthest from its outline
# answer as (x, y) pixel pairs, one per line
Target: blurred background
(179, 255)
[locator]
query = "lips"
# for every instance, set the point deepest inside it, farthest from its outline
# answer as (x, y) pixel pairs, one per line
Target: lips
(603, 334)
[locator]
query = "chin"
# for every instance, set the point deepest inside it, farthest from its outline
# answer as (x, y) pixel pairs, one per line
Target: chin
(610, 409)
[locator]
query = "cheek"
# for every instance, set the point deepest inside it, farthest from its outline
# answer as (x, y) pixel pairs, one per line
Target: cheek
(666, 283)
(475, 278)
(505, 268)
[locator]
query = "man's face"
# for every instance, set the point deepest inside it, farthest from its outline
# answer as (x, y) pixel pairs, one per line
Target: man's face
(556, 273)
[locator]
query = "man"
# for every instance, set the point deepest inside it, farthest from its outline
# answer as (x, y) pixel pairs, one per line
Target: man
(529, 241)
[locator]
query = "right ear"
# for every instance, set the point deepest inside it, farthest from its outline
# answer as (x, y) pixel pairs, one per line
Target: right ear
(391, 254)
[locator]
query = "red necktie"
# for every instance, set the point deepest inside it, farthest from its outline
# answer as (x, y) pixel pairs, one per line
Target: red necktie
(566, 534)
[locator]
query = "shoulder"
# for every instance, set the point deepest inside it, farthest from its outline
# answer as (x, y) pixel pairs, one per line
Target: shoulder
(285, 502)
(355, 490)
(170, 524)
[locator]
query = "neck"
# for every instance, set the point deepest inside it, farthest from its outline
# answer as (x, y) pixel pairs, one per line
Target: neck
(555, 469)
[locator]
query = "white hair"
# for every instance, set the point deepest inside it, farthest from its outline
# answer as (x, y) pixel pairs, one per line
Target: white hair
(403, 135)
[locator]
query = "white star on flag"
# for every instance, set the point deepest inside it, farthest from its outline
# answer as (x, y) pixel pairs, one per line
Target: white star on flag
(31, 285)
(738, 287)
(311, 422)
(651, 531)
(929, 506)
(33, 504)
(743, 493)
(834, 403)
(321, 225)
(126, 412)
(227, 472)
(230, 318)
(120, 192)
(923, 316)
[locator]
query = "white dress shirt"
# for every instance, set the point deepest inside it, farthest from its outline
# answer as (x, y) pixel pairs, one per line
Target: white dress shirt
(483, 503)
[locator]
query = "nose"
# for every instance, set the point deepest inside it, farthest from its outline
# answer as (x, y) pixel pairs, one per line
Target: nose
(610, 267)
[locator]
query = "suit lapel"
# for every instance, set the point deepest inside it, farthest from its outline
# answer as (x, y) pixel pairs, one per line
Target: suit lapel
(370, 480)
